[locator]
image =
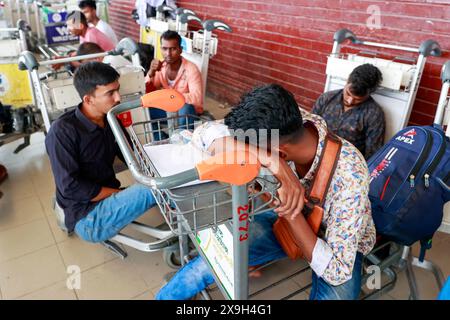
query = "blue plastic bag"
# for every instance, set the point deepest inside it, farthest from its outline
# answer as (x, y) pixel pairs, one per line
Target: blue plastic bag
(445, 292)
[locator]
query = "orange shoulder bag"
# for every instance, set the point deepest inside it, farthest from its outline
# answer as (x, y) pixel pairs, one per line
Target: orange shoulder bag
(285, 229)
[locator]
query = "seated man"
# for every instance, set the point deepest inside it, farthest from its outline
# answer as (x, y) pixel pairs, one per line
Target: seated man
(82, 148)
(77, 25)
(336, 256)
(352, 114)
(178, 73)
(89, 9)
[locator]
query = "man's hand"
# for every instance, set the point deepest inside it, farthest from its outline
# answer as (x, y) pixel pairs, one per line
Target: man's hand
(57, 66)
(154, 67)
(104, 193)
(291, 191)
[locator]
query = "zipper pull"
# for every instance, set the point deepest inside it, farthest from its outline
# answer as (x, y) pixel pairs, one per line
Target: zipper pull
(411, 181)
(427, 180)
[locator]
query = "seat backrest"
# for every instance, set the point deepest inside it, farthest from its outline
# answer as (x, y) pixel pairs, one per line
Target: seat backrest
(391, 95)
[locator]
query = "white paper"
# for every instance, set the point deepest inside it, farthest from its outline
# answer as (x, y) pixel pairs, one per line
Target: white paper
(170, 159)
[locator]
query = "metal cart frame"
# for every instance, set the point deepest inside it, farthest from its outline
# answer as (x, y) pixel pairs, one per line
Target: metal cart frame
(189, 210)
(22, 30)
(400, 257)
(403, 98)
(27, 61)
(442, 116)
(164, 238)
(205, 46)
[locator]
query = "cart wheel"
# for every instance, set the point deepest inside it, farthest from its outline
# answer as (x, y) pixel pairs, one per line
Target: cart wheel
(401, 265)
(172, 258)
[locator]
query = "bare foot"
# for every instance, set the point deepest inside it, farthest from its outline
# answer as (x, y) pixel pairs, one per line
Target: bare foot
(253, 273)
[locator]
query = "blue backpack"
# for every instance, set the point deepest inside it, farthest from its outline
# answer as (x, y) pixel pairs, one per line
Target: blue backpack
(409, 185)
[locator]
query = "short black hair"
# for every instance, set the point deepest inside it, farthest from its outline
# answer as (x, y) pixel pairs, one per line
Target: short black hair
(74, 15)
(91, 74)
(268, 107)
(87, 3)
(89, 48)
(171, 35)
(364, 79)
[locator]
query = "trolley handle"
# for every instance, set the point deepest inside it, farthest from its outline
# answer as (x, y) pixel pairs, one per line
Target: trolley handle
(426, 48)
(210, 25)
(186, 17)
(27, 61)
(443, 98)
(234, 167)
(179, 11)
(23, 25)
(124, 47)
(163, 8)
(445, 73)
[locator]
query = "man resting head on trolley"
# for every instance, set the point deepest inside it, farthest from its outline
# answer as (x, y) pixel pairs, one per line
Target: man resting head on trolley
(336, 255)
(82, 149)
(352, 113)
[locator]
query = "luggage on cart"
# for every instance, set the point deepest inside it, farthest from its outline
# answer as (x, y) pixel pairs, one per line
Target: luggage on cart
(408, 185)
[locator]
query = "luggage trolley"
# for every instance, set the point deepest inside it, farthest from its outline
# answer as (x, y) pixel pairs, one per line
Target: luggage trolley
(208, 213)
(54, 36)
(55, 92)
(443, 118)
(400, 83)
(408, 261)
(15, 10)
(396, 97)
(155, 26)
(198, 46)
(21, 118)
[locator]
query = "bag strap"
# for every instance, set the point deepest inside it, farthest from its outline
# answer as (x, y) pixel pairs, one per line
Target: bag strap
(325, 170)
(425, 244)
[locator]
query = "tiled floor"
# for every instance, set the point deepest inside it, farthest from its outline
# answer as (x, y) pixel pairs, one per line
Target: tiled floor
(36, 257)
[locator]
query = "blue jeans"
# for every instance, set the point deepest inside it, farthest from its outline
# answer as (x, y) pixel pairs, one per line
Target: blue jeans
(195, 276)
(114, 213)
(187, 109)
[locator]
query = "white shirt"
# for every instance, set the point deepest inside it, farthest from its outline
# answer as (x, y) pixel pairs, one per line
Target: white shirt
(107, 30)
(347, 211)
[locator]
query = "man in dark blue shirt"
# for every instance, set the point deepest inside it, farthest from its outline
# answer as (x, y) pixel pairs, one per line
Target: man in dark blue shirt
(82, 148)
(352, 113)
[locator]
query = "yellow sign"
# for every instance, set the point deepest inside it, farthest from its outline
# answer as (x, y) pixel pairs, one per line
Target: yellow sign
(15, 88)
(153, 38)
